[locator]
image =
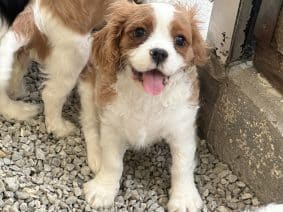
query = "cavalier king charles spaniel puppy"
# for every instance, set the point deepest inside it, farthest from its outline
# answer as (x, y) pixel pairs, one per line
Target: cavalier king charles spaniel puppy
(141, 86)
(57, 34)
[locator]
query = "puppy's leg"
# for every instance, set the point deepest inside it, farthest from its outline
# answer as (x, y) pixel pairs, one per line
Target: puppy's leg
(16, 87)
(63, 68)
(90, 125)
(9, 45)
(184, 195)
(101, 191)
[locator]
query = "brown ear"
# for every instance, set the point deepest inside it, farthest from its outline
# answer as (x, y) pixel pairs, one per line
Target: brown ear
(105, 48)
(106, 41)
(198, 44)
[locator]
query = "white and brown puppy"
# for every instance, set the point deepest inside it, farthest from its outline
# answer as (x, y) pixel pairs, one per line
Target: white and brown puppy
(57, 34)
(142, 86)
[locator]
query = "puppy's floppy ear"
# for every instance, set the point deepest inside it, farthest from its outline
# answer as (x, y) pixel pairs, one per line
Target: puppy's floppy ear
(198, 44)
(106, 41)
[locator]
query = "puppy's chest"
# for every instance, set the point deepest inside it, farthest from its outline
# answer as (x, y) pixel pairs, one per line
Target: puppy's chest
(139, 122)
(142, 119)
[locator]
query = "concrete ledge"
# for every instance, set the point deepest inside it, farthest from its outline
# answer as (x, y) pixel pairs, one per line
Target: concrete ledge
(244, 127)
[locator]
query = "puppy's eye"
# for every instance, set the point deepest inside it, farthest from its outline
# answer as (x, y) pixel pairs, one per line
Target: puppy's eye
(180, 40)
(139, 32)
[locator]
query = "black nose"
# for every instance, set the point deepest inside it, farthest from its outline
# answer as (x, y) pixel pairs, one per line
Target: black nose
(158, 55)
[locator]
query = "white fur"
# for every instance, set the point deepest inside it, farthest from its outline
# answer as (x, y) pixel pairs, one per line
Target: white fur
(136, 119)
(3, 27)
(9, 44)
(161, 37)
(90, 125)
(69, 54)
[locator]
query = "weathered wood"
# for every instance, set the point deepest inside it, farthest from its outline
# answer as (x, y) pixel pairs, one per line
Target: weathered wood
(278, 36)
(270, 62)
(267, 20)
(240, 31)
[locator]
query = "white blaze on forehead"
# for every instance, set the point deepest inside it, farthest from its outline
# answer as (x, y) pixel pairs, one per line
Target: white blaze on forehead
(164, 15)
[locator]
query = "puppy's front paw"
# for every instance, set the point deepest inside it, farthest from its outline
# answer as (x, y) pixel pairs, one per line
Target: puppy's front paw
(60, 128)
(189, 202)
(19, 110)
(99, 194)
(28, 111)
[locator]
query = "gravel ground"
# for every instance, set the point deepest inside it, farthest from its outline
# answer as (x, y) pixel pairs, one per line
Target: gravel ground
(41, 173)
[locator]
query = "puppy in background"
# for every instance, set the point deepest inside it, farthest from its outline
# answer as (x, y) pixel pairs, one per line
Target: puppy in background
(57, 34)
(142, 86)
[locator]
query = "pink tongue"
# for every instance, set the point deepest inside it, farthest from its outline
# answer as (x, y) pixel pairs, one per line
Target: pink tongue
(153, 82)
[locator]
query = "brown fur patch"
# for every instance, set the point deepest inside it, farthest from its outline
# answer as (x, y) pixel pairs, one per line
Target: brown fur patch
(194, 51)
(181, 26)
(102, 84)
(79, 15)
(25, 28)
(186, 24)
(111, 43)
(142, 18)
(24, 25)
(40, 44)
(198, 44)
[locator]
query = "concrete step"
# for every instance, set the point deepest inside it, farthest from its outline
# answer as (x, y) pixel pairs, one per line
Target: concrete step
(242, 120)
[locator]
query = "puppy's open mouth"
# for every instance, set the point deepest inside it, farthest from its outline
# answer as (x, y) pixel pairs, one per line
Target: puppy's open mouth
(153, 81)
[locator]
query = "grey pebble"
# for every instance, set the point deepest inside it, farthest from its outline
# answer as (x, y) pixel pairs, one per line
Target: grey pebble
(16, 156)
(12, 183)
(77, 191)
(40, 155)
(160, 209)
(205, 193)
(241, 184)
(119, 201)
(71, 200)
(255, 202)
(23, 206)
(246, 196)
(232, 178)
(153, 207)
(22, 195)
(2, 186)
(70, 167)
(9, 208)
(52, 198)
(1, 203)
(223, 209)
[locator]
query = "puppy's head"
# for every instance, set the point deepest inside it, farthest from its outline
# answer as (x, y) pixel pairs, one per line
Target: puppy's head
(153, 41)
